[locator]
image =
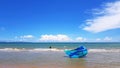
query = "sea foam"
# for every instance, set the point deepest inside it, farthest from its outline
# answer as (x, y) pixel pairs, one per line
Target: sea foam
(104, 50)
(55, 49)
(30, 50)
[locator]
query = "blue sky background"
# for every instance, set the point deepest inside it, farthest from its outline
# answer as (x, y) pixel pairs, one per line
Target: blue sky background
(57, 20)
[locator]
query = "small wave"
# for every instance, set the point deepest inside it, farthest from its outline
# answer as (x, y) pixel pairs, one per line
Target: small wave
(11, 49)
(104, 50)
(54, 49)
(40, 49)
(34, 50)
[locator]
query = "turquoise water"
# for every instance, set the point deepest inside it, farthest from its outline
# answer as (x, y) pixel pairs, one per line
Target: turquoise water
(39, 55)
(92, 47)
(59, 45)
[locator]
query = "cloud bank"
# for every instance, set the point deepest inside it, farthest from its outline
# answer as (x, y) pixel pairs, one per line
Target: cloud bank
(80, 39)
(60, 38)
(25, 38)
(108, 18)
(49, 38)
(55, 38)
(105, 39)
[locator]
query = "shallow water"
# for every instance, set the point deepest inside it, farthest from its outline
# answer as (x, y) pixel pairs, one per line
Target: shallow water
(57, 59)
(18, 56)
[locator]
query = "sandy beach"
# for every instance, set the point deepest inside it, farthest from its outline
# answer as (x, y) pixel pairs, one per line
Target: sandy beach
(55, 59)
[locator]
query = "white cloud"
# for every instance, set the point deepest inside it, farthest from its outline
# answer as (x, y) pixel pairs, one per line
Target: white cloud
(80, 39)
(55, 38)
(98, 39)
(107, 38)
(108, 18)
(27, 37)
(60, 38)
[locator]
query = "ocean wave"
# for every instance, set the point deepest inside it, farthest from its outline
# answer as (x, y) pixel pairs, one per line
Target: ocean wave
(104, 50)
(30, 50)
(55, 49)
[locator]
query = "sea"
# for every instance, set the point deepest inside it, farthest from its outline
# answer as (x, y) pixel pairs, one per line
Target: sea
(40, 55)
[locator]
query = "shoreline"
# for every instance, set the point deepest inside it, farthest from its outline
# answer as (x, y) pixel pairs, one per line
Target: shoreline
(57, 59)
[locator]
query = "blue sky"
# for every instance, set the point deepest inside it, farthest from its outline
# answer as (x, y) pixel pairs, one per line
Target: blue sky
(60, 20)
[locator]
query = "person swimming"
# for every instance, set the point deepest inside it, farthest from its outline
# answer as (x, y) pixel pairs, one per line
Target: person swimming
(50, 47)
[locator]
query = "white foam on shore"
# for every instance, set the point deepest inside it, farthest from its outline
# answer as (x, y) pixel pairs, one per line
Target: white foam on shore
(40, 49)
(55, 49)
(31, 50)
(104, 50)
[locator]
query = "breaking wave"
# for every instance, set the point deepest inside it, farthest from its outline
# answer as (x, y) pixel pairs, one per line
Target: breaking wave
(104, 50)
(55, 49)
(31, 50)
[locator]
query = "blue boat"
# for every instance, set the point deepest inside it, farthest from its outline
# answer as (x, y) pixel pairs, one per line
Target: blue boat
(77, 53)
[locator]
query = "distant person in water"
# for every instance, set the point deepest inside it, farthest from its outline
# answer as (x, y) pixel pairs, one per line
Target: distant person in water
(50, 47)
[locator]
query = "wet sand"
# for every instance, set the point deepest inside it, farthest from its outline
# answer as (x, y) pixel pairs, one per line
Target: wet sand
(53, 59)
